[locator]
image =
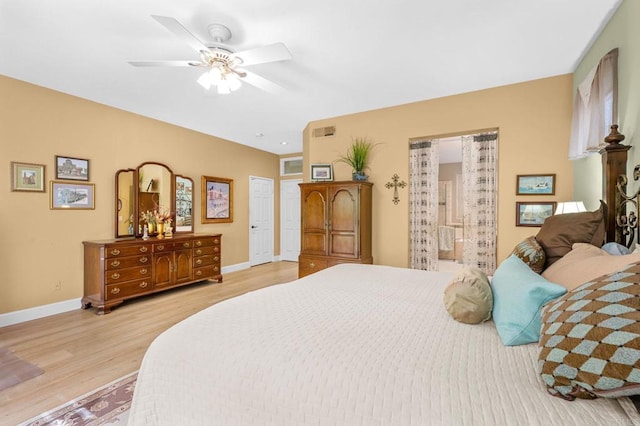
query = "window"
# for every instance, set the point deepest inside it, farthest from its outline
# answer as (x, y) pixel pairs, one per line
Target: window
(290, 166)
(595, 107)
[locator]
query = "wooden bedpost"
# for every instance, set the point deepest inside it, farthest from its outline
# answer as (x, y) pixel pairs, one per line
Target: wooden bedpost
(614, 164)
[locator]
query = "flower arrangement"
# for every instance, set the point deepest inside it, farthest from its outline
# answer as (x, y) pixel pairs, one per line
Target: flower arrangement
(159, 215)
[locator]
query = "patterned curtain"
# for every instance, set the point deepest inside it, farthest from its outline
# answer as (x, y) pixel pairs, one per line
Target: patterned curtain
(479, 162)
(423, 204)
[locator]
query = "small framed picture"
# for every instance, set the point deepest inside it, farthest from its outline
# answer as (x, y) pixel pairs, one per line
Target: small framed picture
(533, 214)
(217, 200)
(27, 177)
(321, 172)
(72, 196)
(68, 168)
(536, 184)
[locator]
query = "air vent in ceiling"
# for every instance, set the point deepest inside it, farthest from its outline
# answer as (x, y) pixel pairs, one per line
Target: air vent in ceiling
(322, 132)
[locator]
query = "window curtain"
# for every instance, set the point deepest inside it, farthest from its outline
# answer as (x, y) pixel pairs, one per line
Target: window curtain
(479, 162)
(594, 107)
(423, 204)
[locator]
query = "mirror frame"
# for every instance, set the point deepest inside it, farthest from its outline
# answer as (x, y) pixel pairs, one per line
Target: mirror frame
(135, 199)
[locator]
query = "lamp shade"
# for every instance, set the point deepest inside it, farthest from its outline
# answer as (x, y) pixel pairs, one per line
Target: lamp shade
(570, 207)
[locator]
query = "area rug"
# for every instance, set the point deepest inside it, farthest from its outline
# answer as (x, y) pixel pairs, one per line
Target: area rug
(14, 370)
(108, 405)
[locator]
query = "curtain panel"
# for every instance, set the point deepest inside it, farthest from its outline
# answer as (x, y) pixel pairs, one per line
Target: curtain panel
(595, 107)
(423, 204)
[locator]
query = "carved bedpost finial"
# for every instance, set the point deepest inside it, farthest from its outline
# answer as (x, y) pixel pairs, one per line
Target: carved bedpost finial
(614, 137)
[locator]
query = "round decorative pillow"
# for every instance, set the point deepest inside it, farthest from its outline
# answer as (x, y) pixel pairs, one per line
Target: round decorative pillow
(468, 297)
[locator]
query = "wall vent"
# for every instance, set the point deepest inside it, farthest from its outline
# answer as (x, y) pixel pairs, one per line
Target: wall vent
(321, 132)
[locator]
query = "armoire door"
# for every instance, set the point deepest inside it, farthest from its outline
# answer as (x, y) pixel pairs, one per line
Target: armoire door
(343, 221)
(314, 220)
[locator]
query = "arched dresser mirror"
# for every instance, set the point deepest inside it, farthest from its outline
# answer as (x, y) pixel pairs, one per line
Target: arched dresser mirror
(152, 190)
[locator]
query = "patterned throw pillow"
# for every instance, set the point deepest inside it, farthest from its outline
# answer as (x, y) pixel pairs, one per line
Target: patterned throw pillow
(590, 339)
(531, 253)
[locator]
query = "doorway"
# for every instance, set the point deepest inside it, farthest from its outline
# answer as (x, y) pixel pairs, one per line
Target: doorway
(290, 219)
(261, 222)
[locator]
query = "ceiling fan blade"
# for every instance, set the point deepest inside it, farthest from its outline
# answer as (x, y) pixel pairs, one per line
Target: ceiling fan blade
(166, 64)
(261, 55)
(176, 28)
(261, 82)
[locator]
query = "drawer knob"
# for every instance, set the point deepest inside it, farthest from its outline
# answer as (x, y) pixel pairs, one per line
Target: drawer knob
(115, 276)
(198, 243)
(143, 249)
(160, 247)
(215, 268)
(186, 245)
(216, 258)
(143, 271)
(115, 290)
(312, 265)
(216, 249)
(198, 273)
(199, 262)
(198, 251)
(144, 284)
(216, 241)
(144, 259)
(115, 263)
(115, 252)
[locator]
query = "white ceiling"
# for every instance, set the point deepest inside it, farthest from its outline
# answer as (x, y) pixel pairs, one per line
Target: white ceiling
(348, 56)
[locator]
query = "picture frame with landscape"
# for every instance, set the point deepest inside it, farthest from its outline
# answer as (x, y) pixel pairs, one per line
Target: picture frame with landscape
(216, 200)
(72, 196)
(533, 213)
(536, 184)
(321, 172)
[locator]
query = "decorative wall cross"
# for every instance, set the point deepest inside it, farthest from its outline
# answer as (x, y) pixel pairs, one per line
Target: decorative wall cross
(395, 184)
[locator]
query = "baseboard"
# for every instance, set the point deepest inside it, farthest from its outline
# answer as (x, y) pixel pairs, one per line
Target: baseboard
(37, 312)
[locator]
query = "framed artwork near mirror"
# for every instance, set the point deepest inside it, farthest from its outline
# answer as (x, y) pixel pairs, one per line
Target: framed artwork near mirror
(72, 196)
(217, 200)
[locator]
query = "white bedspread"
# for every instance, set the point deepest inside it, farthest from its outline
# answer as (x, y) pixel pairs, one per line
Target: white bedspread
(351, 345)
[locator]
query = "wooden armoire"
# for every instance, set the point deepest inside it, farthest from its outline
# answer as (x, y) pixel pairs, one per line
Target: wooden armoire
(335, 225)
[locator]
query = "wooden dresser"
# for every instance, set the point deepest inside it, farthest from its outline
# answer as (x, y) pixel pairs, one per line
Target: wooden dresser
(335, 226)
(117, 270)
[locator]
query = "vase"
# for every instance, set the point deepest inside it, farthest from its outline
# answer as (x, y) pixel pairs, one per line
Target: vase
(160, 228)
(359, 176)
(152, 227)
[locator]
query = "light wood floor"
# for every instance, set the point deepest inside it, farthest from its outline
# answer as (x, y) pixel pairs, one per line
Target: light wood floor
(80, 351)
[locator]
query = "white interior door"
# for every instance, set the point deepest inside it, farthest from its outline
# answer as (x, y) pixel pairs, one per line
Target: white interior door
(290, 219)
(261, 226)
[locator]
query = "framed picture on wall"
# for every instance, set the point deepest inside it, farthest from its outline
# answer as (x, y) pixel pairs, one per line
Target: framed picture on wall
(321, 172)
(533, 214)
(536, 184)
(217, 200)
(68, 168)
(72, 196)
(27, 177)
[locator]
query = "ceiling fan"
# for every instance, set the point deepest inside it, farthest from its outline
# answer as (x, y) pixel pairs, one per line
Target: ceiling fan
(222, 63)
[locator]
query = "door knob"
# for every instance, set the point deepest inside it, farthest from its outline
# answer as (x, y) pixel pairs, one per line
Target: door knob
(253, 227)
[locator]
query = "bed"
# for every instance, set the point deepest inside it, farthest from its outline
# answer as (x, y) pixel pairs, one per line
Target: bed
(350, 345)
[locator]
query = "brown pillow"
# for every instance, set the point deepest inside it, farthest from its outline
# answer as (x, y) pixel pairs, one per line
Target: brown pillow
(560, 232)
(468, 298)
(590, 338)
(585, 263)
(531, 253)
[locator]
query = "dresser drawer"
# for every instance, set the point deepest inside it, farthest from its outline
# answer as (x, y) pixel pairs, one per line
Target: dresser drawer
(204, 261)
(309, 265)
(205, 272)
(130, 288)
(124, 251)
(204, 251)
(122, 275)
(127, 262)
(208, 241)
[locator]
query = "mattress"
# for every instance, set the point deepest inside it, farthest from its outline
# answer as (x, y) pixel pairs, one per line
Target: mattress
(350, 345)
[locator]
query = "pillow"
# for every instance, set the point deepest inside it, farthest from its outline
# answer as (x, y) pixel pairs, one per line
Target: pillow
(558, 233)
(590, 344)
(616, 249)
(531, 253)
(518, 296)
(468, 297)
(585, 263)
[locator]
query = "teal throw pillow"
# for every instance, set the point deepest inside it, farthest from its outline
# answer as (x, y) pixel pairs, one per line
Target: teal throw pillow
(518, 296)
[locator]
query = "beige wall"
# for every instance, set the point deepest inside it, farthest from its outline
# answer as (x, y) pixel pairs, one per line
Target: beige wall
(622, 32)
(41, 247)
(533, 119)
